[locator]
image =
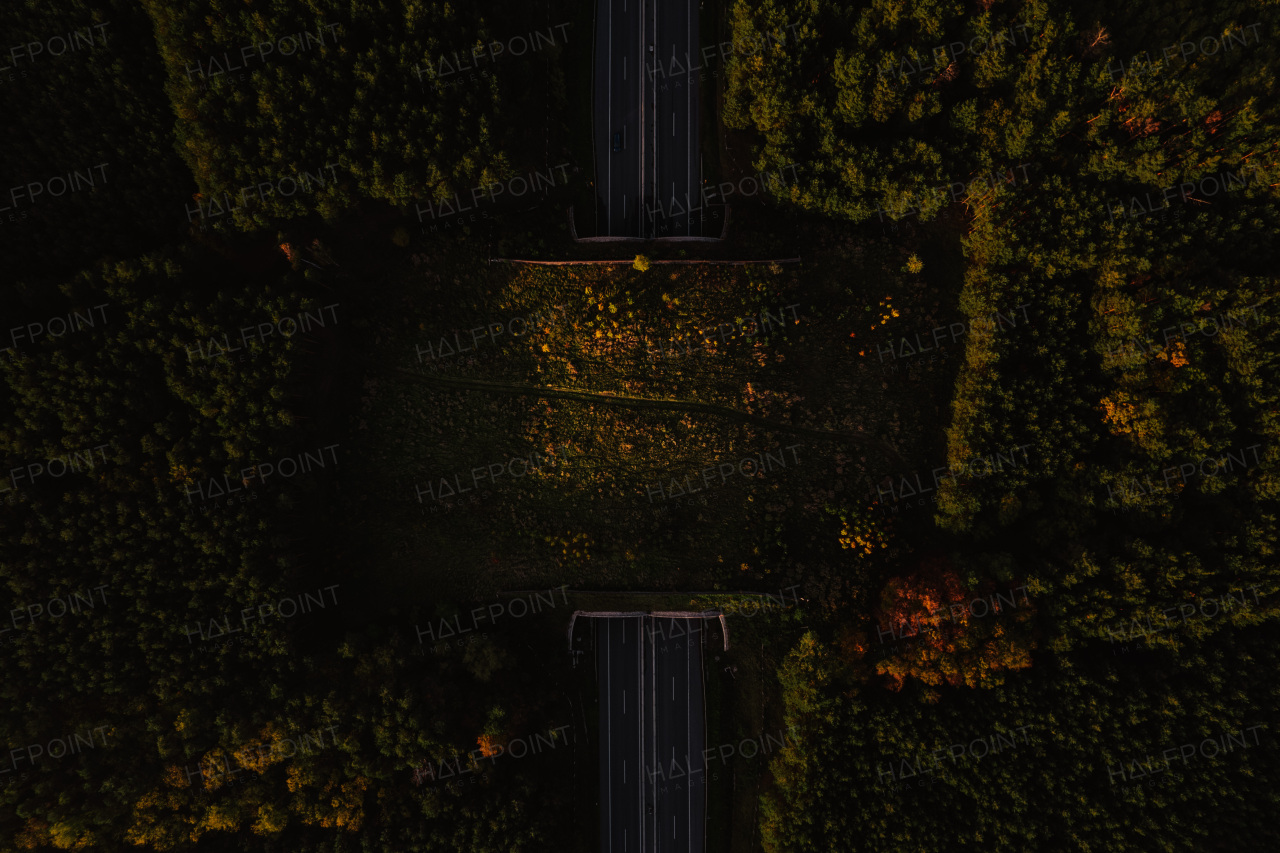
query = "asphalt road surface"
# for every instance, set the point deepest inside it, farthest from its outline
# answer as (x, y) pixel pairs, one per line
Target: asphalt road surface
(646, 96)
(679, 172)
(619, 652)
(652, 771)
(619, 72)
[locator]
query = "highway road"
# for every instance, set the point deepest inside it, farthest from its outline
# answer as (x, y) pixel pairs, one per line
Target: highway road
(645, 95)
(619, 73)
(652, 772)
(674, 766)
(619, 653)
(679, 173)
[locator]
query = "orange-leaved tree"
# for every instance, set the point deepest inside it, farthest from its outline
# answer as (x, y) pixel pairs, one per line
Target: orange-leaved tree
(938, 631)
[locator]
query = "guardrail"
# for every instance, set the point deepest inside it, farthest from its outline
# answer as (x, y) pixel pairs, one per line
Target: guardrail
(660, 614)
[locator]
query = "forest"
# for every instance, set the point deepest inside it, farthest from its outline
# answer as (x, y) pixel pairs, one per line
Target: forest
(1000, 408)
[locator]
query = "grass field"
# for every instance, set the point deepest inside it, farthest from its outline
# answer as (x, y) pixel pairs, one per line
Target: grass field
(687, 427)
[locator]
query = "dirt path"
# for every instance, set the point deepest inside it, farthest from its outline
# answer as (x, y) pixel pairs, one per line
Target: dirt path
(549, 391)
